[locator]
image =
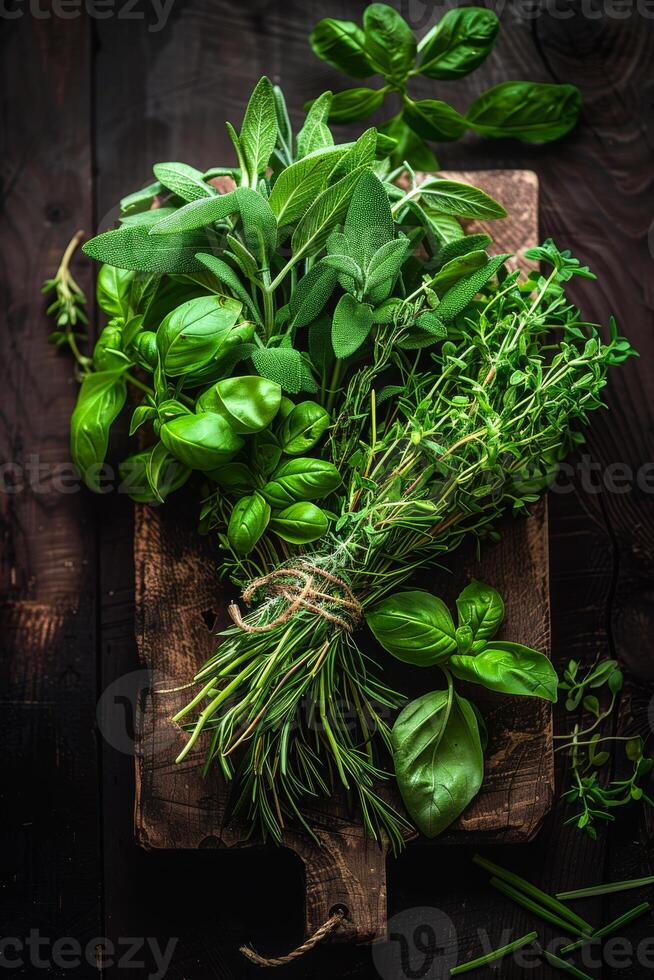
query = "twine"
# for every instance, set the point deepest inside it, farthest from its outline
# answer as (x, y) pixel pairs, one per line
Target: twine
(321, 933)
(299, 587)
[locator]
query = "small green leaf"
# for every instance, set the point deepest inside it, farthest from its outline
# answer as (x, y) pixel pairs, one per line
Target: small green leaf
(390, 43)
(168, 473)
(303, 427)
(482, 609)
(459, 43)
(194, 333)
(248, 403)
(415, 627)
(301, 479)
(355, 103)
(201, 442)
(184, 181)
(226, 275)
(258, 135)
(286, 366)
(462, 200)
(327, 210)
(531, 111)
(247, 522)
(351, 325)
(434, 120)
(113, 288)
(342, 43)
(315, 134)
(311, 295)
(409, 146)
(300, 523)
(369, 221)
(100, 399)
(297, 186)
(509, 668)
(460, 296)
(132, 247)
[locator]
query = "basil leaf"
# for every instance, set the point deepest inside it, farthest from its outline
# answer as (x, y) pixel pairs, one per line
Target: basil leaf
(248, 403)
(462, 200)
(201, 441)
(509, 668)
(193, 334)
(351, 325)
(303, 427)
(286, 366)
(311, 295)
(434, 120)
(342, 43)
(258, 136)
(266, 452)
(113, 289)
(300, 523)
(301, 479)
(482, 609)
(247, 522)
(226, 275)
(415, 627)
(107, 353)
(460, 296)
(459, 43)
(100, 399)
(235, 478)
(315, 134)
(170, 476)
(390, 42)
(132, 247)
(409, 146)
(529, 111)
(355, 103)
(438, 759)
(297, 186)
(326, 211)
(184, 181)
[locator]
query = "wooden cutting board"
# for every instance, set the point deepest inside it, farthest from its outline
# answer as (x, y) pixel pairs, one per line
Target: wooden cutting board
(181, 603)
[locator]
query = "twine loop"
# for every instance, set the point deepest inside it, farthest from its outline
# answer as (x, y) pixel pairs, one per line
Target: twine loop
(321, 933)
(302, 587)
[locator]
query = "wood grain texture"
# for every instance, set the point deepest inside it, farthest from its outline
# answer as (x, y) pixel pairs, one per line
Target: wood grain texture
(178, 595)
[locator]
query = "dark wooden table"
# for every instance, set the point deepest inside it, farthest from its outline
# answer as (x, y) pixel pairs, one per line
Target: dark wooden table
(88, 105)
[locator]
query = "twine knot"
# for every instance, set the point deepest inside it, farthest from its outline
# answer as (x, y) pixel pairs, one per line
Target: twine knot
(302, 587)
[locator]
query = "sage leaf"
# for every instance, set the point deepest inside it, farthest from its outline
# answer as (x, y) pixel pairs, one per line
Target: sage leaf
(297, 186)
(311, 295)
(184, 181)
(369, 220)
(194, 333)
(141, 200)
(258, 135)
(461, 246)
(534, 112)
(509, 668)
(300, 523)
(458, 268)
(434, 120)
(390, 42)
(132, 247)
(460, 296)
(362, 154)
(301, 479)
(324, 214)
(459, 43)
(342, 44)
(462, 200)
(286, 366)
(99, 402)
(480, 607)
(351, 325)
(202, 441)
(355, 103)
(438, 759)
(384, 268)
(247, 522)
(248, 403)
(415, 627)
(315, 133)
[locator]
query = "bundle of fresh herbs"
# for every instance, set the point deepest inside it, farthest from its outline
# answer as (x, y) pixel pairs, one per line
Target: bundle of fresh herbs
(360, 385)
(455, 46)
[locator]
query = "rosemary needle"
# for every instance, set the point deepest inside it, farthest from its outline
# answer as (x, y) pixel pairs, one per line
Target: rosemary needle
(495, 955)
(610, 888)
(563, 965)
(541, 897)
(532, 906)
(609, 928)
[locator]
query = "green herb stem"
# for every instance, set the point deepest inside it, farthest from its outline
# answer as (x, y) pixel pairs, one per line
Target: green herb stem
(608, 889)
(610, 928)
(527, 903)
(564, 966)
(497, 954)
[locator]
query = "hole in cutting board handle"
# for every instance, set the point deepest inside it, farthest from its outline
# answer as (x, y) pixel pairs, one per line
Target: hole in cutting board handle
(342, 909)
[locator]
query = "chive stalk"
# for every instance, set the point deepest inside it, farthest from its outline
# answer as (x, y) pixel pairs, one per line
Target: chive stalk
(609, 928)
(496, 954)
(608, 889)
(564, 966)
(527, 903)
